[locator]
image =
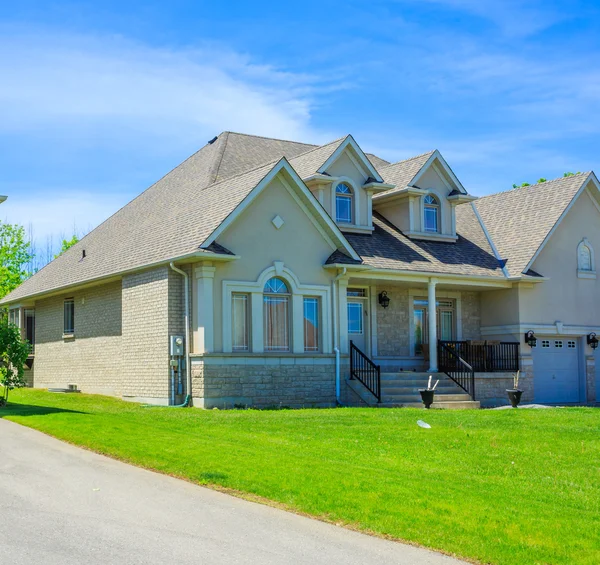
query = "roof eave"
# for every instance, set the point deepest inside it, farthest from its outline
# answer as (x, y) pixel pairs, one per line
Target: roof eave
(200, 255)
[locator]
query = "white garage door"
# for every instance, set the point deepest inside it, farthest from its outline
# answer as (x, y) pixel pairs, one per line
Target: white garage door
(556, 370)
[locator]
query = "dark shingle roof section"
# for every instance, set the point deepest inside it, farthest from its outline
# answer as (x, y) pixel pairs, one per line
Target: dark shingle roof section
(339, 257)
(519, 220)
(388, 248)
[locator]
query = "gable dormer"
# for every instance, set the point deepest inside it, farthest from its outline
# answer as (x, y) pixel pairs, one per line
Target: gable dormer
(344, 184)
(423, 203)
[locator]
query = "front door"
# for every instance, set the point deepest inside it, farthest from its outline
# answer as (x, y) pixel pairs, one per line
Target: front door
(358, 318)
(445, 322)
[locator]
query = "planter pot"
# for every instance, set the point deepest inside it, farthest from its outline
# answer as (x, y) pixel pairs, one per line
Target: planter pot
(426, 396)
(514, 396)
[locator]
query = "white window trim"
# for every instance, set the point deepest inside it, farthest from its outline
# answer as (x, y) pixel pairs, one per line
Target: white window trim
(422, 292)
(441, 221)
(355, 202)
(584, 274)
(298, 292)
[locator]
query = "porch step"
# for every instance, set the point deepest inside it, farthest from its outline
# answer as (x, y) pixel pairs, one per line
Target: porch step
(401, 389)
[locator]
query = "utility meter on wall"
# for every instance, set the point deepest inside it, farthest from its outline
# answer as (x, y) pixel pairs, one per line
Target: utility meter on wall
(176, 345)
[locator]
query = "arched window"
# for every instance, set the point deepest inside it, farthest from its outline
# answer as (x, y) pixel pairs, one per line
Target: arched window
(276, 312)
(585, 259)
(431, 214)
(343, 204)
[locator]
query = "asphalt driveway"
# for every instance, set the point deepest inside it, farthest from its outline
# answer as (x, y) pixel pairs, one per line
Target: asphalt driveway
(63, 505)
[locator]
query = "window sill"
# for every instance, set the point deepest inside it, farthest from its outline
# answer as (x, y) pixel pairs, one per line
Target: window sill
(586, 274)
(430, 236)
(353, 228)
(68, 336)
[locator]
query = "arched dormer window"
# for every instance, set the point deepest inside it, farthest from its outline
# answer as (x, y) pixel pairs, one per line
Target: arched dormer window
(343, 204)
(276, 313)
(431, 214)
(585, 259)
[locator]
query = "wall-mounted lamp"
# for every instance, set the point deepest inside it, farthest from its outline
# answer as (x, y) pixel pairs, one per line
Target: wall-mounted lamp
(384, 299)
(592, 340)
(530, 338)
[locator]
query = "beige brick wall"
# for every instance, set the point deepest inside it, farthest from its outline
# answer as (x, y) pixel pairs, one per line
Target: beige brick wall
(393, 324)
(93, 358)
(146, 334)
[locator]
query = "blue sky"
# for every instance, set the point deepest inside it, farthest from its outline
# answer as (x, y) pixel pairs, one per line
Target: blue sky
(100, 99)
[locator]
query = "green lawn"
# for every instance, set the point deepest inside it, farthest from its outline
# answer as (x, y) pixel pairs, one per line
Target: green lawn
(497, 486)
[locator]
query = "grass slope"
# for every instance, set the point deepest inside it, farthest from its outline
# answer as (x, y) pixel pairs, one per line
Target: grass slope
(500, 486)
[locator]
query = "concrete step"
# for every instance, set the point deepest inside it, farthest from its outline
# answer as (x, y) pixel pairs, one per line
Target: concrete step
(460, 405)
(402, 388)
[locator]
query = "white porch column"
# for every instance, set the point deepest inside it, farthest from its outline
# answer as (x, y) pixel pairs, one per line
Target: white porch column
(343, 315)
(432, 323)
(205, 308)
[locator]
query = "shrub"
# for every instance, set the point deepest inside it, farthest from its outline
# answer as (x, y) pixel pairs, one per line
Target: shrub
(13, 354)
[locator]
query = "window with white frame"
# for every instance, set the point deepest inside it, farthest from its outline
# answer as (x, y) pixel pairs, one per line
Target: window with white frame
(13, 316)
(311, 324)
(558, 343)
(276, 315)
(343, 203)
(545, 343)
(30, 328)
(240, 339)
(69, 316)
(571, 344)
(585, 258)
(431, 214)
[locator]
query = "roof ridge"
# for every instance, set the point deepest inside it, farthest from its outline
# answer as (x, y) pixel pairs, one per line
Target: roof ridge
(530, 186)
(410, 158)
(216, 175)
(274, 162)
(270, 138)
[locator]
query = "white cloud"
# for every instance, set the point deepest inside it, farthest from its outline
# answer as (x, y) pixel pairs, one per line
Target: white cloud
(76, 83)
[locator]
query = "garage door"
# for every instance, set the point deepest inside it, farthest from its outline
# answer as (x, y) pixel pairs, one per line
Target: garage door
(556, 370)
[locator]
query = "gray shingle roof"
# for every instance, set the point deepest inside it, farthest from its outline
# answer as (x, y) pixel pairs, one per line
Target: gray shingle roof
(402, 173)
(519, 220)
(174, 216)
(389, 248)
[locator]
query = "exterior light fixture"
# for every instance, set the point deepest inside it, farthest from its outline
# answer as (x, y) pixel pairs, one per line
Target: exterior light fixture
(592, 340)
(384, 299)
(530, 338)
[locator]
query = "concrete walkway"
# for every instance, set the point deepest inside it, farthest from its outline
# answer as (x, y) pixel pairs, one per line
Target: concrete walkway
(63, 505)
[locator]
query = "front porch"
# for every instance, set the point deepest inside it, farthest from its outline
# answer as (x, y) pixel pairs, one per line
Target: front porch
(396, 341)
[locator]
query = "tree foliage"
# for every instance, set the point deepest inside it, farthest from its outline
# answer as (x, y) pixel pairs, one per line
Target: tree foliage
(66, 244)
(542, 180)
(14, 257)
(13, 354)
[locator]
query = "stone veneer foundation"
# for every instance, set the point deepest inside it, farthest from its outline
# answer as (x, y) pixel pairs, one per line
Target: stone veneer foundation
(227, 381)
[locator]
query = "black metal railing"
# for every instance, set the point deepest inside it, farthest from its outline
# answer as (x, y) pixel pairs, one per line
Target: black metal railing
(452, 364)
(365, 371)
(487, 357)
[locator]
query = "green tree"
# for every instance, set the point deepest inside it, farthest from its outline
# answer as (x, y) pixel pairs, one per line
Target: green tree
(14, 257)
(66, 244)
(571, 174)
(13, 353)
